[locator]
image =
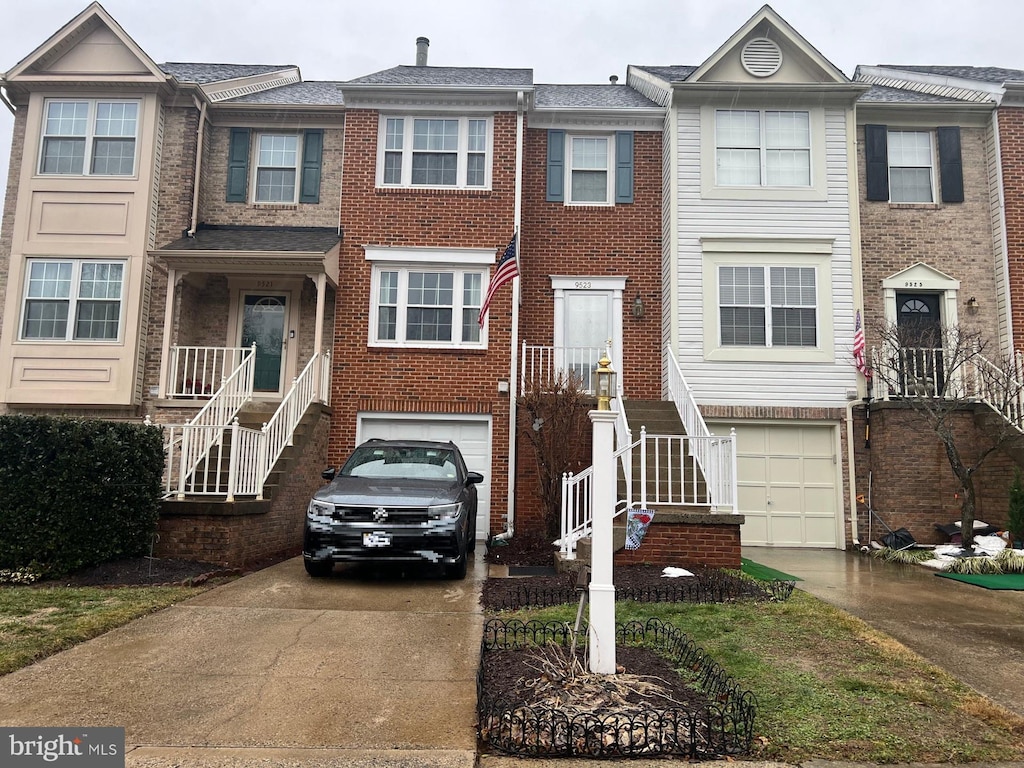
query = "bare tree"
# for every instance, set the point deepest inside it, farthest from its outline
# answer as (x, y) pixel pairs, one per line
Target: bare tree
(556, 421)
(943, 373)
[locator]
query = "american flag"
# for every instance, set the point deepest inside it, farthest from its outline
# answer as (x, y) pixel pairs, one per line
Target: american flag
(858, 348)
(508, 269)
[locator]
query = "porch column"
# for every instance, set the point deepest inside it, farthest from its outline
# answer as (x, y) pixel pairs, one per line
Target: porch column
(318, 338)
(165, 349)
(602, 587)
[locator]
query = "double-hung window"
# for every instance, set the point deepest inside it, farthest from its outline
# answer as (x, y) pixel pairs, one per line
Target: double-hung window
(762, 148)
(277, 162)
(435, 152)
(432, 306)
(767, 306)
(590, 165)
(89, 137)
(73, 300)
(910, 166)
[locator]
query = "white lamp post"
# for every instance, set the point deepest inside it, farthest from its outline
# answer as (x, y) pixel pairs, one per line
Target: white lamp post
(602, 588)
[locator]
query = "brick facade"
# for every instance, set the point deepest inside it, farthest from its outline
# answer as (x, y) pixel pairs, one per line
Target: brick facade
(688, 542)
(1011, 145)
(423, 381)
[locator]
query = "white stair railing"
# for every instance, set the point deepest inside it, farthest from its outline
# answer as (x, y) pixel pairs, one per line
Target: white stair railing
(545, 363)
(196, 372)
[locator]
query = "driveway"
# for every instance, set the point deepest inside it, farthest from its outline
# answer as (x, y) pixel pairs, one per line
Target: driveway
(975, 634)
(278, 668)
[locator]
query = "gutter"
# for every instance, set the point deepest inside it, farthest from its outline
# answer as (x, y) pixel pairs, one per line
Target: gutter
(7, 101)
(199, 164)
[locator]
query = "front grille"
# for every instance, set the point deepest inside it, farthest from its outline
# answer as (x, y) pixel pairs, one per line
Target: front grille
(394, 515)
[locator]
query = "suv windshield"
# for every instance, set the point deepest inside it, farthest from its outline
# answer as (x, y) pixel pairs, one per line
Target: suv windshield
(409, 462)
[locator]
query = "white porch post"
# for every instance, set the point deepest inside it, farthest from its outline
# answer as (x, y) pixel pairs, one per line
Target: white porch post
(318, 341)
(165, 350)
(602, 588)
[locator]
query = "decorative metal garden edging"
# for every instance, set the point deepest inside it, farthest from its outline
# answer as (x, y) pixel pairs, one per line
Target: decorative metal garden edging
(708, 587)
(723, 726)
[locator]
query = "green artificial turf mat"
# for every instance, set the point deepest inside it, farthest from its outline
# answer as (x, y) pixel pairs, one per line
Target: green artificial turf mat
(764, 573)
(989, 580)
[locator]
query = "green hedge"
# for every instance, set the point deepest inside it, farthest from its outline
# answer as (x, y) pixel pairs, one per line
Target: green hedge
(76, 492)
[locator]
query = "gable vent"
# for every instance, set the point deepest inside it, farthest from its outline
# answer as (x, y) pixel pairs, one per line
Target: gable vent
(761, 57)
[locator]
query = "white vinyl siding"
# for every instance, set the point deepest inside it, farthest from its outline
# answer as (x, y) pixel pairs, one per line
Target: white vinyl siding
(779, 376)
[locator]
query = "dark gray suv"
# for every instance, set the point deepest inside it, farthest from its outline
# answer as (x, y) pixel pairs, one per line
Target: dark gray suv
(392, 501)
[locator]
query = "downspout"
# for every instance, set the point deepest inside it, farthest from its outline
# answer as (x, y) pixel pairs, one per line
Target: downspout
(1001, 194)
(853, 470)
(199, 164)
(513, 384)
(7, 102)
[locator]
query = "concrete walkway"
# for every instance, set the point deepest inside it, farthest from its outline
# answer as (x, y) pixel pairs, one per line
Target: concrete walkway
(975, 634)
(278, 669)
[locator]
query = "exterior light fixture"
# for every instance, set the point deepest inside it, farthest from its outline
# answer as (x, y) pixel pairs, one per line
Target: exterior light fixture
(604, 383)
(638, 306)
(972, 305)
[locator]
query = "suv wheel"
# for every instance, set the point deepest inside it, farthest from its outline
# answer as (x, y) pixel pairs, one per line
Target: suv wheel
(457, 570)
(319, 568)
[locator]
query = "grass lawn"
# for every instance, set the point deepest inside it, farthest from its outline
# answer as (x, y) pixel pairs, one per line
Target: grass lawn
(830, 687)
(38, 622)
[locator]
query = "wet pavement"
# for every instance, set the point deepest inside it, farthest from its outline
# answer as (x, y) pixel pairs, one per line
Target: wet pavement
(975, 634)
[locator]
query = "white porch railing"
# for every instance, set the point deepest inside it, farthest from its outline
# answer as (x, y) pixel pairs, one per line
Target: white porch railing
(198, 371)
(695, 469)
(911, 372)
(226, 459)
(545, 363)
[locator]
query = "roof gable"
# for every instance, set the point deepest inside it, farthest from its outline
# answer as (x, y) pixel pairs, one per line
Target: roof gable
(92, 45)
(767, 50)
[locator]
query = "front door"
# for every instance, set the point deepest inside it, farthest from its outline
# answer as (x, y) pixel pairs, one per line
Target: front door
(264, 323)
(919, 329)
(588, 327)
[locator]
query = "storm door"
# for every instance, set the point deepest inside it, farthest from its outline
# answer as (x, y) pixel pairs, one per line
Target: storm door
(587, 329)
(264, 322)
(919, 330)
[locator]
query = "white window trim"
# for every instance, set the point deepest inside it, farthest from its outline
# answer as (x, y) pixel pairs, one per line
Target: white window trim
(615, 286)
(781, 253)
(459, 261)
(76, 277)
(933, 161)
(90, 137)
(922, 278)
(609, 200)
(407, 151)
(710, 189)
(299, 149)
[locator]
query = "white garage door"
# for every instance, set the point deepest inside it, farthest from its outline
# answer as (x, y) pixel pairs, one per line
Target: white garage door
(789, 481)
(472, 436)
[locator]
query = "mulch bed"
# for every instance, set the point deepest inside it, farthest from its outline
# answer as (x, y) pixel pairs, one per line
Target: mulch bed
(141, 572)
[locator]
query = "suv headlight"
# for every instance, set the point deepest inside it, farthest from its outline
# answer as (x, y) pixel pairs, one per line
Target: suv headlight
(319, 509)
(445, 511)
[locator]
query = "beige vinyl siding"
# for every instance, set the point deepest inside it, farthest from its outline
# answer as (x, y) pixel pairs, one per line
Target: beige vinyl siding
(764, 383)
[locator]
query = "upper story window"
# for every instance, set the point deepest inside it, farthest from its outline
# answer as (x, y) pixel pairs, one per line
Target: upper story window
(590, 169)
(282, 168)
(277, 162)
(72, 300)
(901, 165)
(762, 148)
(89, 137)
(435, 152)
(767, 306)
(429, 306)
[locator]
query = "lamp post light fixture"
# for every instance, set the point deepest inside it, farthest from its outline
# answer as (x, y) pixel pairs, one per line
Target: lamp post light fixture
(604, 383)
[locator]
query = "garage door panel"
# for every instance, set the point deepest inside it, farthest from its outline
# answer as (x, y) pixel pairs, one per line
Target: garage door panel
(471, 436)
(794, 467)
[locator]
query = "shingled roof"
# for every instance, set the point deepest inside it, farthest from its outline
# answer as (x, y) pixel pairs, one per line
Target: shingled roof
(258, 240)
(479, 77)
(202, 74)
(996, 75)
(310, 93)
(884, 94)
(673, 74)
(592, 96)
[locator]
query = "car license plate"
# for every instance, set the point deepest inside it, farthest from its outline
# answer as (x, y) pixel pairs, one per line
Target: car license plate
(376, 539)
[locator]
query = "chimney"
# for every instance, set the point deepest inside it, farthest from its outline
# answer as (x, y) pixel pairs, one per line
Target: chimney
(422, 44)
(613, 79)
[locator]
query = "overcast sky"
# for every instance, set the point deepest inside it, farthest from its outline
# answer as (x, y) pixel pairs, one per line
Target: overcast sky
(573, 41)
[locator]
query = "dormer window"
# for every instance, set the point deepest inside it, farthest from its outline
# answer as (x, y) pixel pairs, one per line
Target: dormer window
(89, 137)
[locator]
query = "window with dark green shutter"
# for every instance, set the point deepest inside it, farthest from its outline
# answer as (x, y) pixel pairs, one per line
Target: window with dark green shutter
(951, 171)
(876, 157)
(238, 165)
(312, 158)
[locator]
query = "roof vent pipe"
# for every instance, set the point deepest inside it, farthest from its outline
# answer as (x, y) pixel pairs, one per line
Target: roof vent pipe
(613, 79)
(422, 44)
